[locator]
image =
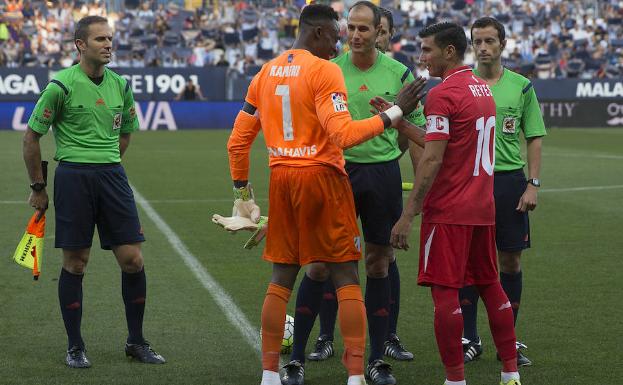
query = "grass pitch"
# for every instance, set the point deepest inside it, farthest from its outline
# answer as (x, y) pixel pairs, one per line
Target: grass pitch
(570, 316)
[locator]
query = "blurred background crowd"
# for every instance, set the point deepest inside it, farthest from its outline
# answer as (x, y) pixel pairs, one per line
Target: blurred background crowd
(545, 38)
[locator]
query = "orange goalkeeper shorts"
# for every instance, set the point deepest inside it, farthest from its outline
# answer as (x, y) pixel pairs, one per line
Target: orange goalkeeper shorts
(311, 217)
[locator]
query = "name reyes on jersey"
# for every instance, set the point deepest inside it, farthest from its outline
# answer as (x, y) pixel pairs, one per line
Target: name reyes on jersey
(480, 90)
(293, 152)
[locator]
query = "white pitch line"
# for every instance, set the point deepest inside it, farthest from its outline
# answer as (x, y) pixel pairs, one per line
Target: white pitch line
(585, 188)
(235, 316)
(582, 155)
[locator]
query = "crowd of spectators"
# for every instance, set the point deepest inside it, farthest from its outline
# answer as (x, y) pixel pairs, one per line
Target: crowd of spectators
(545, 38)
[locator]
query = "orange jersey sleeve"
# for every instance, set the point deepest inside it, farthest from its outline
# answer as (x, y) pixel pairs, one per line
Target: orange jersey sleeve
(244, 132)
(239, 144)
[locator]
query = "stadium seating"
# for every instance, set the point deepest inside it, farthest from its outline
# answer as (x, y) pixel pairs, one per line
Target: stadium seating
(591, 38)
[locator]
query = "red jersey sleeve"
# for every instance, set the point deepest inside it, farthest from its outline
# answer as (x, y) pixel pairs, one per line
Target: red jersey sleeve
(438, 109)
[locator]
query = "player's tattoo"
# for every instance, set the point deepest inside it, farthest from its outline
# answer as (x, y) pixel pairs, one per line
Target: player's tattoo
(420, 194)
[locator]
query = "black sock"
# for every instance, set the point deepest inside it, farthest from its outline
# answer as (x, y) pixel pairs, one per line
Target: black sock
(468, 297)
(377, 310)
(70, 300)
(394, 298)
(134, 292)
(308, 301)
(328, 310)
(512, 285)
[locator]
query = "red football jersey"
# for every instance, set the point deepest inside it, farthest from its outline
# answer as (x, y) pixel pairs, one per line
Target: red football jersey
(461, 110)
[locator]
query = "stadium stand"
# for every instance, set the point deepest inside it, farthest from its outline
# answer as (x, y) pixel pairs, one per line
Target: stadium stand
(545, 38)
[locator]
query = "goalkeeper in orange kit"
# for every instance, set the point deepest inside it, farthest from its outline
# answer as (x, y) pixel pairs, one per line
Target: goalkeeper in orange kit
(308, 183)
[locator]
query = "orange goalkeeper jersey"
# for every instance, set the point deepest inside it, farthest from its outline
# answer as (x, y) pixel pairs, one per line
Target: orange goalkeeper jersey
(303, 112)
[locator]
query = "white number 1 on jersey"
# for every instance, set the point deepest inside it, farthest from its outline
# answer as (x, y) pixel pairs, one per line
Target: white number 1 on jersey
(484, 156)
(283, 90)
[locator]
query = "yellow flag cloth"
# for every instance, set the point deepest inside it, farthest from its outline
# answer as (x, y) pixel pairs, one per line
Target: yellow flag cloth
(29, 251)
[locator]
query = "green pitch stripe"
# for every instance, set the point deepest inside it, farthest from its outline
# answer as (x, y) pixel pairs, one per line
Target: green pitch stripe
(235, 316)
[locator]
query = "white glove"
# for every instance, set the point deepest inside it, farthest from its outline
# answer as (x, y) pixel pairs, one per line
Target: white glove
(244, 204)
(258, 235)
(246, 209)
(234, 223)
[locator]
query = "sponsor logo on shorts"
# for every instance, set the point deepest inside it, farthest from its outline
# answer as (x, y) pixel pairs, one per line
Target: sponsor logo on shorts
(358, 243)
(506, 305)
(339, 102)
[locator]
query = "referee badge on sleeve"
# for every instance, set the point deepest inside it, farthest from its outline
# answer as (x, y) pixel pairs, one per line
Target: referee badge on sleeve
(508, 125)
(116, 122)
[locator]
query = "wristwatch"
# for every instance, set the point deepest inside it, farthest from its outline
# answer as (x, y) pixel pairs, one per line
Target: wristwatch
(37, 186)
(535, 182)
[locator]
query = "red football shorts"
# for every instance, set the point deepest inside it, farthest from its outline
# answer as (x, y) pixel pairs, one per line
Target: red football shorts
(457, 255)
(312, 217)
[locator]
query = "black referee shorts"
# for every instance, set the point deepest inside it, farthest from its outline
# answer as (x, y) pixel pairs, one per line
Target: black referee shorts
(512, 227)
(86, 195)
(377, 189)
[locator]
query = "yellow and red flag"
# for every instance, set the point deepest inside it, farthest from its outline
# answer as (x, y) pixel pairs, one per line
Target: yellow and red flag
(29, 251)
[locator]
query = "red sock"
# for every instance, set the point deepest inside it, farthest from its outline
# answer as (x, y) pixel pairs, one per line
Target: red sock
(352, 318)
(273, 319)
(500, 315)
(449, 330)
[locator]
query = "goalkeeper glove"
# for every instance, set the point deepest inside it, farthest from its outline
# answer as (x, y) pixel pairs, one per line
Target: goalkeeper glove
(235, 223)
(258, 234)
(244, 204)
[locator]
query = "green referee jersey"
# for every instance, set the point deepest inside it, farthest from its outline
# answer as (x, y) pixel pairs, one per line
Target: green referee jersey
(385, 78)
(517, 110)
(86, 118)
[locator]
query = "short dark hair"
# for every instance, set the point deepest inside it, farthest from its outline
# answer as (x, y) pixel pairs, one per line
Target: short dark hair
(485, 22)
(82, 27)
(447, 34)
(315, 13)
(375, 10)
(386, 13)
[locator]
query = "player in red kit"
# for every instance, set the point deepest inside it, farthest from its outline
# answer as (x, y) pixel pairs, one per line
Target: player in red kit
(453, 190)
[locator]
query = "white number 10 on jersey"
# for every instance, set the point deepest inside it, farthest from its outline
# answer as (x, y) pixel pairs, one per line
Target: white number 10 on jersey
(484, 156)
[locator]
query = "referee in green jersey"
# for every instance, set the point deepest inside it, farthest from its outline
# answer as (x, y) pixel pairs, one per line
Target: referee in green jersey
(518, 112)
(91, 111)
(376, 182)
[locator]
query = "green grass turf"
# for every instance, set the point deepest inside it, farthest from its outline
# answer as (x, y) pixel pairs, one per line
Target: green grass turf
(570, 318)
